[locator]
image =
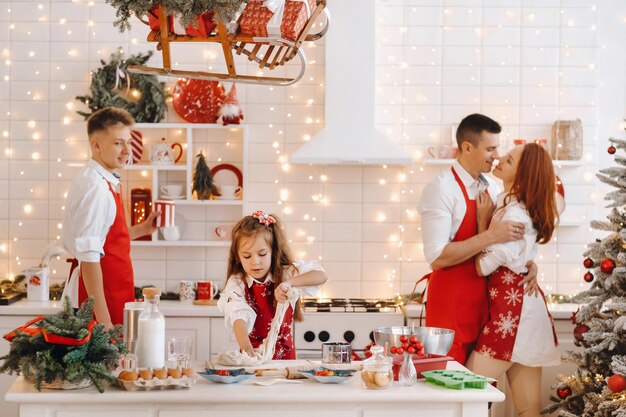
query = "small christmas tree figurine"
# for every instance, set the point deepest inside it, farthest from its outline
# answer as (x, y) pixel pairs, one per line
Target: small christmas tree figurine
(203, 184)
(597, 389)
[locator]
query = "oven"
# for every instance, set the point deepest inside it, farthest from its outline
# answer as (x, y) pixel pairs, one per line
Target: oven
(343, 320)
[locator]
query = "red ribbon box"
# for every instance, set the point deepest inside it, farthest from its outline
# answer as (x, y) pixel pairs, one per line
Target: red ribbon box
(254, 19)
(205, 24)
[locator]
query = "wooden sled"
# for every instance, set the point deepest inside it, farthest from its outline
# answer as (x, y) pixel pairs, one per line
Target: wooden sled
(268, 52)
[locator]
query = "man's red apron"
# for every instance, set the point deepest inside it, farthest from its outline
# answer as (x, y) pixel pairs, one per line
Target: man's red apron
(457, 296)
(260, 296)
(117, 268)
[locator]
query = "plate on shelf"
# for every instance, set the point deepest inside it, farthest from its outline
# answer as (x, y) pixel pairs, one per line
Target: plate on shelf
(221, 197)
(221, 173)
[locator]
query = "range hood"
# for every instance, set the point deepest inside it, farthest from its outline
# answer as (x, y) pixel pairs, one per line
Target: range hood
(350, 136)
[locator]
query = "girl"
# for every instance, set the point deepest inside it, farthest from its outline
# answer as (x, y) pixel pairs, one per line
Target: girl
(519, 337)
(260, 272)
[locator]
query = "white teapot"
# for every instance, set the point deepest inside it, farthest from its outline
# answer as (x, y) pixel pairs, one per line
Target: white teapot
(163, 153)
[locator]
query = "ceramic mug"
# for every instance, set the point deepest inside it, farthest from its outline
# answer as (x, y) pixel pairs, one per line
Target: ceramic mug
(442, 151)
(187, 292)
(37, 284)
(171, 232)
(229, 192)
(167, 209)
(172, 189)
(206, 290)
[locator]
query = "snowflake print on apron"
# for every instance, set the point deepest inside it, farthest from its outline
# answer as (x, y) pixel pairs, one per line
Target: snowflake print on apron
(497, 339)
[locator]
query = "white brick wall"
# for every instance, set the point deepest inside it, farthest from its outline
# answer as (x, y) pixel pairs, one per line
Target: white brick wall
(525, 63)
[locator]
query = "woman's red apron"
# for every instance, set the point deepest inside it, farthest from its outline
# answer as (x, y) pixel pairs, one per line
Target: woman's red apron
(260, 296)
(117, 268)
(505, 309)
(457, 295)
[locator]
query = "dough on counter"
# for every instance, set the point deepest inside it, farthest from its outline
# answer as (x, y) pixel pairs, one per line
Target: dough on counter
(237, 358)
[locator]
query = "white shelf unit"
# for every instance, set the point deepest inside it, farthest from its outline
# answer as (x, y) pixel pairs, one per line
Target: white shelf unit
(184, 133)
(444, 162)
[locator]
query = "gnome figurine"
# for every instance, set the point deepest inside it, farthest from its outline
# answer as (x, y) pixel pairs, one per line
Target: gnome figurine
(231, 110)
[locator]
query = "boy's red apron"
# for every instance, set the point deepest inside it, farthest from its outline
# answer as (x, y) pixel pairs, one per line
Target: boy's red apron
(261, 298)
(457, 296)
(117, 268)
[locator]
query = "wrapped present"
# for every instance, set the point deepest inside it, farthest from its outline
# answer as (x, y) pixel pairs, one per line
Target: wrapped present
(276, 18)
(205, 24)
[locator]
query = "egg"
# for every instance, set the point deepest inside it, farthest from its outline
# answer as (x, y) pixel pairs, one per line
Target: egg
(129, 376)
(174, 373)
(145, 374)
(160, 373)
(189, 372)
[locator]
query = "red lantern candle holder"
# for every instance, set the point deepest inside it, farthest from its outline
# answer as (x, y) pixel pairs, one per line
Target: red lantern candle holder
(140, 207)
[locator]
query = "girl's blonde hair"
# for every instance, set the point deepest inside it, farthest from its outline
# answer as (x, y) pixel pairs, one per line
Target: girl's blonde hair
(281, 259)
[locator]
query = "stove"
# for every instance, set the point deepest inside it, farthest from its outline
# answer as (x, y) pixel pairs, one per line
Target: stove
(343, 320)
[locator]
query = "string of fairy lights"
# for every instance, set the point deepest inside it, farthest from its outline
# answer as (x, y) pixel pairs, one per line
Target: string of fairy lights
(398, 87)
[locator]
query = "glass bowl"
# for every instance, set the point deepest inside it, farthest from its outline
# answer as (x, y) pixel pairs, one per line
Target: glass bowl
(436, 340)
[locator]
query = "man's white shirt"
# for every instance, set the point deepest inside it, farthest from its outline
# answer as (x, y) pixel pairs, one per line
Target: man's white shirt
(442, 207)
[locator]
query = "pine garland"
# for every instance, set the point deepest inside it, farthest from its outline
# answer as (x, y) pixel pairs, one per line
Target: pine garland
(187, 11)
(604, 343)
(149, 108)
(45, 362)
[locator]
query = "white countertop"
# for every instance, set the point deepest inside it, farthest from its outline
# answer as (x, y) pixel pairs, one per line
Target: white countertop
(559, 311)
(169, 308)
(206, 392)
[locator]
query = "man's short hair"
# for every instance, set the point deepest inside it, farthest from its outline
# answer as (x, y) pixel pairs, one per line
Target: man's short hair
(108, 117)
(472, 126)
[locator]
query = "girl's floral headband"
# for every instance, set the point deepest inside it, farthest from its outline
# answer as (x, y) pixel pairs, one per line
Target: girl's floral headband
(263, 218)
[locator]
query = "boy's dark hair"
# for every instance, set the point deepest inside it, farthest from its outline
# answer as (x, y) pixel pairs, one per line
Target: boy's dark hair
(472, 126)
(108, 117)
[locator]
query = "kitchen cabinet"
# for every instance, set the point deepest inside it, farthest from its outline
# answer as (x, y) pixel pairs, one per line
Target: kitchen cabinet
(220, 145)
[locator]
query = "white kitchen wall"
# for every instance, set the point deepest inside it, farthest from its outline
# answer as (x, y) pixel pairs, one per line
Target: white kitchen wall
(524, 63)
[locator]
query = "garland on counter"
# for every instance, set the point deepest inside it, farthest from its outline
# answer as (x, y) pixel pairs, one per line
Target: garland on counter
(46, 362)
(185, 10)
(141, 95)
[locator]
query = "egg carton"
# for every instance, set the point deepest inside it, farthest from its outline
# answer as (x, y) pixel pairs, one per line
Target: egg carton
(157, 384)
(456, 379)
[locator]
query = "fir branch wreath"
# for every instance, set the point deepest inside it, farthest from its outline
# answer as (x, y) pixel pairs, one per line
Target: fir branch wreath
(45, 362)
(111, 83)
(185, 10)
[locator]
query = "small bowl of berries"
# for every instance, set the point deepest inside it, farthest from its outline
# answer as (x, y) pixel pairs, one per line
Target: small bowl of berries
(226, 376)
(329, 376)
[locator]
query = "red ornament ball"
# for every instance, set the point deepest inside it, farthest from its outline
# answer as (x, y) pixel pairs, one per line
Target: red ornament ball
(611, 150)
(607, 265)
(588, 263)
(617, 383)
(564, 392)
(579, 331)
(198, 101)
(588, 277)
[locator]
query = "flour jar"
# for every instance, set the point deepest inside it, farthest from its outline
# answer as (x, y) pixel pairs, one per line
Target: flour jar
(37, 284)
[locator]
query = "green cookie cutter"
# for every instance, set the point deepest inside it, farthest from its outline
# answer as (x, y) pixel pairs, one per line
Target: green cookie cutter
(456, 379)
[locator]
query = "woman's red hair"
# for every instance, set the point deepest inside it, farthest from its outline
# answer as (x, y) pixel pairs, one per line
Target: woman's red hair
(535, 186)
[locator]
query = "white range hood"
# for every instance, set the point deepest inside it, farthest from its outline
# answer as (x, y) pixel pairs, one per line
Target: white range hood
(350, 136)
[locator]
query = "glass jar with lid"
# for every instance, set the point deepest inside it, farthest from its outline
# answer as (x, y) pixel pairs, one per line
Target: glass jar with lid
(377, 371)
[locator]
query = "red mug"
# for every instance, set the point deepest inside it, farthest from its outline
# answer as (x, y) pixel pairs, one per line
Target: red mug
(166, 207)
(206, 290)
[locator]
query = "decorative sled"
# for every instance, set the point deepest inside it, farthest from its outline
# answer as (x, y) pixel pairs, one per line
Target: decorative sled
(269, 52)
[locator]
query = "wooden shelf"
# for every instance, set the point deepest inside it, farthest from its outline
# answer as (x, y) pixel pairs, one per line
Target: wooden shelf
(186, 243)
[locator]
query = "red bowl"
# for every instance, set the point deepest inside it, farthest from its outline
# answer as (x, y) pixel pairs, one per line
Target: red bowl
(424, 363)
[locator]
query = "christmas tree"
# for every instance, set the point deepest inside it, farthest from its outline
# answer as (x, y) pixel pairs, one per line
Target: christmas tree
(203, 184)
(598, 388)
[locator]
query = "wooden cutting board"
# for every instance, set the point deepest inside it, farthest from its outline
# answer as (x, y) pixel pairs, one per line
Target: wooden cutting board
(205, 302)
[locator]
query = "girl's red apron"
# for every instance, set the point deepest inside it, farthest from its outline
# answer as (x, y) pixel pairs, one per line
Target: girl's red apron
(497, 339)
(457, 295)
(260, 296)
(117, 268)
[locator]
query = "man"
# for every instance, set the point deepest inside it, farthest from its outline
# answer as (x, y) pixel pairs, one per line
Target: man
(95, 228)
(457, 296)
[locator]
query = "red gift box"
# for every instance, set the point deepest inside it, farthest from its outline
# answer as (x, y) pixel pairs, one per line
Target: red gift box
(256, 16)
(206, 24)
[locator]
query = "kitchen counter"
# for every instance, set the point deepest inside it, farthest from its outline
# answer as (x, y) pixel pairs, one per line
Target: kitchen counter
(559, 311)
(309, 399)
(170, 308)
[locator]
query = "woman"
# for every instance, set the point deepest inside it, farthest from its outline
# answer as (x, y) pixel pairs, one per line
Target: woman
(519, 337)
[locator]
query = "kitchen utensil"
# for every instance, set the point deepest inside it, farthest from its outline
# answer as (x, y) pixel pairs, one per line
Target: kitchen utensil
(453, 379)
(436, 340)
(273, 381)
(336, 352)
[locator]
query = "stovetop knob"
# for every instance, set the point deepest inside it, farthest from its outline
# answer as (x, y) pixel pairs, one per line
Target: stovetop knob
(324, 336)
(309, 336)
(348, 336)
(372, 336)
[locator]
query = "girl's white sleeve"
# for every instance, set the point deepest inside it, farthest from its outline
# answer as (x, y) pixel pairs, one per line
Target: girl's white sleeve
(304, 267)
(233, 305)
(509, 254)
